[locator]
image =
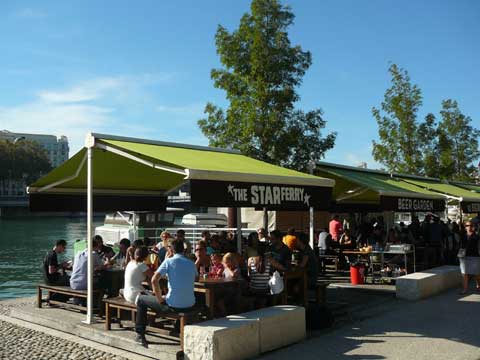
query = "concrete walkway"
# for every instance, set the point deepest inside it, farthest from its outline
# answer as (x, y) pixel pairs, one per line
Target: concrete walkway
(443, 327)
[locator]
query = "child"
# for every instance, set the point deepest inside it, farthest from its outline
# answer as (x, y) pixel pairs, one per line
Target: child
(231, 271)
(216, 269)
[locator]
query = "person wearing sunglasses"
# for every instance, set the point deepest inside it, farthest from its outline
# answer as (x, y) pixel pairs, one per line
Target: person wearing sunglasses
(469, 256)
(202, 261)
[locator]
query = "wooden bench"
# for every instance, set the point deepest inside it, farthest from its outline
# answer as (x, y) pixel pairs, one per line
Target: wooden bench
(66, 290)
(333, 257)
(119, 303)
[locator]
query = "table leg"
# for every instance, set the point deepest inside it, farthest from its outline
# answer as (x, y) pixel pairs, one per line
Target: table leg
(210, 302)
(108, 320)
(39, 297)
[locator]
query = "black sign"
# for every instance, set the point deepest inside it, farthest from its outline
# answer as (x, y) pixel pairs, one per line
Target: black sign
(259, 195)
(406, 204)
(470, 207)
(75, 203)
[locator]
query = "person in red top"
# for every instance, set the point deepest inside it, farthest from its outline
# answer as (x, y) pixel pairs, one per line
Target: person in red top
(335, 228)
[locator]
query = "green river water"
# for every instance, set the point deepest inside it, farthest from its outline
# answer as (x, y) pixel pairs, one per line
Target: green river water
(23, 244)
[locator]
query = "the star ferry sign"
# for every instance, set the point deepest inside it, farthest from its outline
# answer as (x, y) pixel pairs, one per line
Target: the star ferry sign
(263, 195)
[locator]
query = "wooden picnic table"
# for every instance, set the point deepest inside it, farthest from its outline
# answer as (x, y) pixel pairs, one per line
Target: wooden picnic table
(211, 287)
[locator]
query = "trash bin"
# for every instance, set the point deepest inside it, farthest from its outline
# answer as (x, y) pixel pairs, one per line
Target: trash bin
(357, 274)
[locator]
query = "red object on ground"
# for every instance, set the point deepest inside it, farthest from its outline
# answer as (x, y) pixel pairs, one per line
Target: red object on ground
(357, 274)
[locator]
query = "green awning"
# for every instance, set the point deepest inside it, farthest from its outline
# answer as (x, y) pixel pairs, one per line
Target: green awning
(448, 189)
(475, 188)
(358, 186)
(138, 167)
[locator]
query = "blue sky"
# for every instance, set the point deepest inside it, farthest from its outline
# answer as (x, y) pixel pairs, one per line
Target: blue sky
(142, 68)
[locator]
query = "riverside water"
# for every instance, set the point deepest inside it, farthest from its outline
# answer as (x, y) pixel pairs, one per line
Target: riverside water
(23, 245)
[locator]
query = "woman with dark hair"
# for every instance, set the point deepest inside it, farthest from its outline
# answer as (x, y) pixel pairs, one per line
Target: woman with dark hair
(135, 273)
(469, 256)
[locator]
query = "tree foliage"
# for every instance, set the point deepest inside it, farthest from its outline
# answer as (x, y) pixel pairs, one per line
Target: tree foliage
(25, 160)
(261, 71)
(400, 145)
(444, 149)
(458, 143)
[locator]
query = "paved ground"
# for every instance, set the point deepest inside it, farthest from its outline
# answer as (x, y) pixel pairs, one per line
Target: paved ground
(444, 327)
(21, 341)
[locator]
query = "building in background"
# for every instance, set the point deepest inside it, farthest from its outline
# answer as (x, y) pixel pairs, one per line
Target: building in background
(57, 148)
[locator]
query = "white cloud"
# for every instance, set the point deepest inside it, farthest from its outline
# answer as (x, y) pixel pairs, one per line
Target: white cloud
(87, 106)
(29, 13)
(85, 91)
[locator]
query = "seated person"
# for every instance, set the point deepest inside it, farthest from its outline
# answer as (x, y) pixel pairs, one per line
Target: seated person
(121, 257)
(181, 273)
(347, 241)
(290, 239)
(202, 260)
(51, 267)
(135, 273)
(105, 252)
(216, 267)
(78, 280)
(278, 254)
(131, 250)
(308, 261)
(162, 246)
(231, 270)
(227, 300)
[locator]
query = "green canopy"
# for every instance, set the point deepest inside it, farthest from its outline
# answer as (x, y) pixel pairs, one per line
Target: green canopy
(453, 191)
(138, 167)
(376, 190)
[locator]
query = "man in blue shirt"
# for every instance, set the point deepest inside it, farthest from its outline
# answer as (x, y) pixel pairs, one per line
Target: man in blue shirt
(181, 273)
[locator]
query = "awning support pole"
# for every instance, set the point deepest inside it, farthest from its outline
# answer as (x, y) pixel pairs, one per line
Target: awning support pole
(265, 221)
(89, 319)
(239, 230)
(312, 235)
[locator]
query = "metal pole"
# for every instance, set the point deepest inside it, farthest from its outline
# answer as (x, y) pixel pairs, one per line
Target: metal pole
(89, 319)
(265, 220)
(239, 230)
(311, 228)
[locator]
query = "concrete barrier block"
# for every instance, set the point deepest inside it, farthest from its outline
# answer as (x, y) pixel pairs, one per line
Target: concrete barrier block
(222, 339)
(279, 325)
(421, 285)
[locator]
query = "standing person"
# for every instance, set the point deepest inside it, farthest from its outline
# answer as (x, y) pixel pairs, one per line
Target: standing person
(290, 239)
(262, 235)
(335, 228)
(279, 254)
(135, 273)
(181, 274)
(181, 236)
(470, 262)
(51, 267)
(308, 260)
(324, 239)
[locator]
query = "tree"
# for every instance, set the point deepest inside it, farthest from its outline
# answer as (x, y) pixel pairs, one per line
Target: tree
(400, 147)
(260, 74)
(26, 160)
(458, 143)
(428, 136)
